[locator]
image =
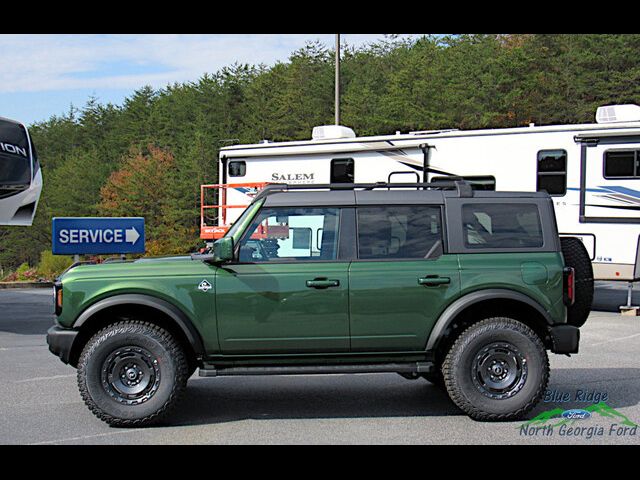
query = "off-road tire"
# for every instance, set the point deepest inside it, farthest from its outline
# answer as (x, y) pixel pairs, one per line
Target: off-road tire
(575, 255)
(168, 364)
(462, 380)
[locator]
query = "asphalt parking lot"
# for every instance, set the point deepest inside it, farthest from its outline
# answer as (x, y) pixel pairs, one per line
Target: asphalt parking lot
(40, 403)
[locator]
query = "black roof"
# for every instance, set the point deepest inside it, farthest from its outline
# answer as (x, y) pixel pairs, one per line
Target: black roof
(379, 194)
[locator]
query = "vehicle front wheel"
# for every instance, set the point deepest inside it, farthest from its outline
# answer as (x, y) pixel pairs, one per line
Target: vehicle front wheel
(497, 369)
(132, 373)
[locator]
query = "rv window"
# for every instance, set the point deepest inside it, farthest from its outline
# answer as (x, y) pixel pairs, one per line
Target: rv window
(496, 225)
(342, 170)
(399, 232)
(621, 164)
(301, 238)
(237, 169)
(552, 172)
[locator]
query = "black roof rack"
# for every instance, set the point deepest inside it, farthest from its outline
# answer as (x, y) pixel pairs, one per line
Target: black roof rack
(462, 187)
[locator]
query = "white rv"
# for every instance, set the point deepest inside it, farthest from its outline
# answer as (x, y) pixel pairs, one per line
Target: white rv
(591, 170)
(20, 174)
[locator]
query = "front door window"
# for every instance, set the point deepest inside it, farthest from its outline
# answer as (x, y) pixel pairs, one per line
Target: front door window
(291, 234)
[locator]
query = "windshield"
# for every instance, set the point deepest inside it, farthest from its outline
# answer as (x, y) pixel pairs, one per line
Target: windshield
(15, 166)
(242, 220)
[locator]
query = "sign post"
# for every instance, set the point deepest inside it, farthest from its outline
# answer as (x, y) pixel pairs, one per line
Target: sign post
(97, 235)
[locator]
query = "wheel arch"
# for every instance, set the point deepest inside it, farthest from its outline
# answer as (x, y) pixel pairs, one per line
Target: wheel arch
(476, 306)
(139, 306)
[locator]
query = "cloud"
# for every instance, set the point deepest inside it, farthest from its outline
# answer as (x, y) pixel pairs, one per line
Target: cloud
(37, 63)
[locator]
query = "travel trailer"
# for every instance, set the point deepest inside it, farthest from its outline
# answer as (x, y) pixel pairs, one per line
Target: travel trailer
(20, 174)
(592, 171)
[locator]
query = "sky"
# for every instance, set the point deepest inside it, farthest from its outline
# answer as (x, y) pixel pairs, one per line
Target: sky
(43, 75)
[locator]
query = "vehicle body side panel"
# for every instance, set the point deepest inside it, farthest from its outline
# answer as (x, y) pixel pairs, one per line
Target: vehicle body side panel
(520, 272)
(81, 290)
(268, 308)
(390, 310)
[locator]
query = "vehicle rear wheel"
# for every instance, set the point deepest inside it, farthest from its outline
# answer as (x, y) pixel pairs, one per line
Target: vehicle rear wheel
(575, 255)
(497, 369)
(132, 373)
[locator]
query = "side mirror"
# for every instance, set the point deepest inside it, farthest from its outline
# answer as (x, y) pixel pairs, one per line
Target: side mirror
(223, 249)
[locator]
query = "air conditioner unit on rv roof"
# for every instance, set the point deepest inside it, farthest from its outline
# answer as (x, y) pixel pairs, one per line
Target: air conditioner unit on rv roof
(325, 132)
(618, 113)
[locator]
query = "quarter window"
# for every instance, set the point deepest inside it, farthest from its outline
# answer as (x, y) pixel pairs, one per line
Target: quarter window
(290, 234)
(622, 164)
(399, 232)
(498, 225)
(552, 172)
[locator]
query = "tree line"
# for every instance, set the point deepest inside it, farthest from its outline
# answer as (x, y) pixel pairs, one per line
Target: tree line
(148, 156)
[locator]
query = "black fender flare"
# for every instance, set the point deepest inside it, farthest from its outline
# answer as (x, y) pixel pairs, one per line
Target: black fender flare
(178, 316)
(451, 312)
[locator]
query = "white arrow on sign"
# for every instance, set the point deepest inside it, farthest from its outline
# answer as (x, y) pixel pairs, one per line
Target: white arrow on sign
(131, 235)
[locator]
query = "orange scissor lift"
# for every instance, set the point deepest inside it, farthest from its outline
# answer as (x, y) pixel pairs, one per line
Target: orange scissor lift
(215, 218)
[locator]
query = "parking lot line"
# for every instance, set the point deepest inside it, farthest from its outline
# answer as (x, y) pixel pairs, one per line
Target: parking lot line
(37, 379)
(615, 340)
(84, 437)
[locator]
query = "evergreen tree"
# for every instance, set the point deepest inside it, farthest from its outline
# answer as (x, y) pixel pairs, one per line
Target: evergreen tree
(149, 156)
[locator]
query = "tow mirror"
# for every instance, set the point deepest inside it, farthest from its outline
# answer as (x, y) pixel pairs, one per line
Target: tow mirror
(223, 249)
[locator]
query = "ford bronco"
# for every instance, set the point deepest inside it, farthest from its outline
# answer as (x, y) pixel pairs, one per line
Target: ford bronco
(468, 289)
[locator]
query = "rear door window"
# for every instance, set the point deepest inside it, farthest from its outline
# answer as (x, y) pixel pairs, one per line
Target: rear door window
(500, 226)
(400, 232)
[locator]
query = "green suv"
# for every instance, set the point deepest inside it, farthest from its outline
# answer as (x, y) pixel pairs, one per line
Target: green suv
(468, 289)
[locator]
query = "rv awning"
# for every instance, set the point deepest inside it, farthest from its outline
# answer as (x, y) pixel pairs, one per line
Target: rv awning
(320, 148)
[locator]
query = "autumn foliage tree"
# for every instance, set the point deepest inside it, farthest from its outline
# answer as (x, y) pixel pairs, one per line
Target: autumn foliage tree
(145, 186)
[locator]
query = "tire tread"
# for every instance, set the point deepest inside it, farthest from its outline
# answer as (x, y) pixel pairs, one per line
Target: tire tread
(453, 357)
(145, 328)
(575, 255)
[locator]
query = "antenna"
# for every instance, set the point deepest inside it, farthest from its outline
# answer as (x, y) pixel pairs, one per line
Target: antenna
(337, 105)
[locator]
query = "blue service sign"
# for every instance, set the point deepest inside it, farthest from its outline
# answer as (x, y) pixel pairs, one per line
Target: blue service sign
(97, 235)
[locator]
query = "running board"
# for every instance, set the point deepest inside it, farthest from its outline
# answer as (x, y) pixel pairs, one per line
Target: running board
(402, 368)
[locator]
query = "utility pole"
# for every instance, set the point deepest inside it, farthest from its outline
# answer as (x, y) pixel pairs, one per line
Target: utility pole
(337, 106)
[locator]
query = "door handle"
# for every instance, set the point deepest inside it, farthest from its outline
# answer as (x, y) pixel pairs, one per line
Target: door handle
(322, 283)
(433, 280)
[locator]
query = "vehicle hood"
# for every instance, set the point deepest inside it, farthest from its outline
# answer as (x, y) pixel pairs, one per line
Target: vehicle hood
(144, 267)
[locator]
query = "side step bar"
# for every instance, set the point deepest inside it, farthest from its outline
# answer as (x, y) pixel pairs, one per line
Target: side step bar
(402, 368)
